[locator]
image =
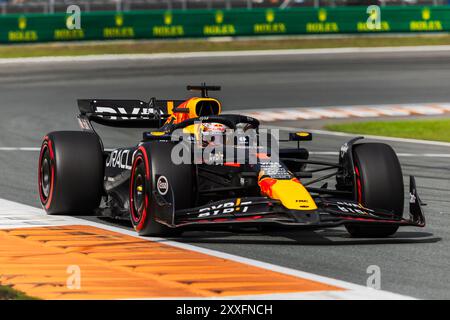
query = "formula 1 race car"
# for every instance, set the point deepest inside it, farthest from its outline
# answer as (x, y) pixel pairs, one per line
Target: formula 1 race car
(201, 169)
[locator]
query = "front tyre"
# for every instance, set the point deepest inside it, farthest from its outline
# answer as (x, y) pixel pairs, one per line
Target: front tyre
(141, 211)
(150, 162)
(379, 185)
(70, 173)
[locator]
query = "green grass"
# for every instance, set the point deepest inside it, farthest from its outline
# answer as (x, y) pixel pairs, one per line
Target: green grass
(8, 293)
(437, 130)
(124, 47)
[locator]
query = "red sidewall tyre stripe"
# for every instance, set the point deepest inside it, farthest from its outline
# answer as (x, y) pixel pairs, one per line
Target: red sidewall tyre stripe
(358, 185)
(47, 144)
(139, 222)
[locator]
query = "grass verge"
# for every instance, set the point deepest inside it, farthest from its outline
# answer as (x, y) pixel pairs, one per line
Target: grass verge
(437, 130)
(124, 47)
(8, 293)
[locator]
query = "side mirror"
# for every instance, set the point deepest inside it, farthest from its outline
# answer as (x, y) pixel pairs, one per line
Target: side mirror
(300, 136)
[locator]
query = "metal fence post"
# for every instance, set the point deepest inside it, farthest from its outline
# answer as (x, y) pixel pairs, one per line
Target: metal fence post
(51, 8)
(285, 4)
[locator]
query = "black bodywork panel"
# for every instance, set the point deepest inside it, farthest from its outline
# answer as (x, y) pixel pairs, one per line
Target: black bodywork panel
(231, 196)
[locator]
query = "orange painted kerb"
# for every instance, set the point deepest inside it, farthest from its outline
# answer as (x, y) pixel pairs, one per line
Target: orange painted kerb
(117, 266)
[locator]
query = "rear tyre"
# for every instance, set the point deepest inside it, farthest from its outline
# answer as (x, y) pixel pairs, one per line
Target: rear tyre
(379, 184)
(70, 173)
(152, 164)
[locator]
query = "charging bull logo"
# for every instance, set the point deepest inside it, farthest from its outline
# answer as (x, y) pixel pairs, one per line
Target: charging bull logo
(292, 194)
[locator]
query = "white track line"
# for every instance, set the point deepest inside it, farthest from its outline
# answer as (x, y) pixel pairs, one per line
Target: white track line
(16, 215)
(214, 54)
(369, 294)
(20, 149)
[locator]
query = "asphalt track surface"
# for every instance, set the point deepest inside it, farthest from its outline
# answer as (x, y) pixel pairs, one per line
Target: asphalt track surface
(36, 99)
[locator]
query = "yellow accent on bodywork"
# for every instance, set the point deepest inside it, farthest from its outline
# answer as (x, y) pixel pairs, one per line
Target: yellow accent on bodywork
(192, 105)
(303, 134)
(192, 129)
(157, 133)
(293, 195)
(238, 203)
(196, 130)
(170, 107)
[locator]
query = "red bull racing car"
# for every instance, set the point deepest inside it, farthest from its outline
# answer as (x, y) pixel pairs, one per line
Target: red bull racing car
(196, 168)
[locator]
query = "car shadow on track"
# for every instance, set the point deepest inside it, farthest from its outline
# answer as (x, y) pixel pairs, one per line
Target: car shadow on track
(310, 238)
(331, 237)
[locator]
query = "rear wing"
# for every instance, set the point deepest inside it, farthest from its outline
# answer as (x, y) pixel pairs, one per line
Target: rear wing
(132, 113)
(125, 113)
